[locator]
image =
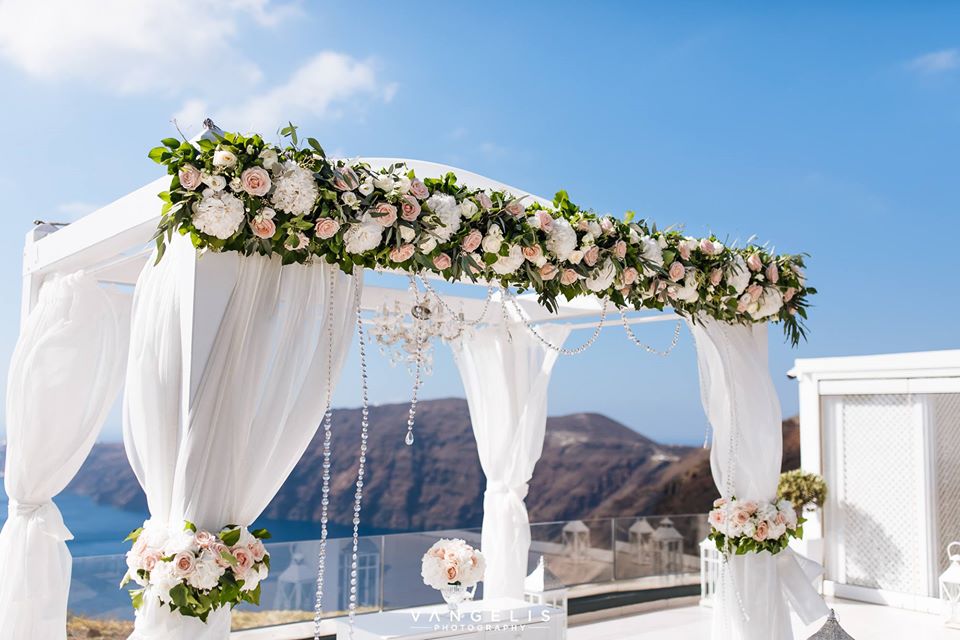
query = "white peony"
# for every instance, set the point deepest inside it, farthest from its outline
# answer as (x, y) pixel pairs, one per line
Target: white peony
(492, 242)
(206, 573)
(218, 214)
(562, 239)
(253, 578)
(602, 277)
(651, 251)
(738, 275)
(468, 209)
(223, 158)
(162, 579)
(688, 292)
(363, 236)
(295, 191)
(505, 265)
(446, 208)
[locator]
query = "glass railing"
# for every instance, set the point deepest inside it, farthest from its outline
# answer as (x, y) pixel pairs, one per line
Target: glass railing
(650, 552)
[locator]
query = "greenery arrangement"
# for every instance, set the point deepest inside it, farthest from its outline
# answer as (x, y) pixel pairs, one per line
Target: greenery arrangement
(240, 193)
(802, 488)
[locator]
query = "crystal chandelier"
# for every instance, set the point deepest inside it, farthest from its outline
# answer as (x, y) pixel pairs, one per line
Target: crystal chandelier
(395, 327)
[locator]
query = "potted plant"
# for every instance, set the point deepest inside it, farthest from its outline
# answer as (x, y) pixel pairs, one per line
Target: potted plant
(808, 492)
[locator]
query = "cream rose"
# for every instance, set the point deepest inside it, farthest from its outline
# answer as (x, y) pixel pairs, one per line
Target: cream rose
(548, 272)
(591, 255)
(754, 263)
(224, 159)
(263, 227)
(189, 177)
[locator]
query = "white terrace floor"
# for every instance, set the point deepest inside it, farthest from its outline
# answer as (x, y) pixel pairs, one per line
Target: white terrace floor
(690, 622)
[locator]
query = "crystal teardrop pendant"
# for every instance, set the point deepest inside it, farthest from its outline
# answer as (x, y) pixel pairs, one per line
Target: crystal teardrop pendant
(409, 439)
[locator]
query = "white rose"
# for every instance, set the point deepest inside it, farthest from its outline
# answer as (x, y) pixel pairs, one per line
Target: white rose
(216, 183)
(492, 242)
(768, 305)
(384, 182)
(429, 244)
(223, 158)
(634, 237)
(402, 185)
(363, 236)
(689, 292)
(236, 185)
(562, 239)
(662, 242)
(587, 240)
(601, 278)
(365, 188)
(534, 222)
(468, 209)
(218, 214)
(738, 275)
(594, 228)
(509, 263)
(575, 257)
(269, 157)
(407, 234)
(349, 198)
(651, 251)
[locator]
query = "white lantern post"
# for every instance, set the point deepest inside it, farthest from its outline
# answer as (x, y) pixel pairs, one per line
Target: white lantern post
(950, 587)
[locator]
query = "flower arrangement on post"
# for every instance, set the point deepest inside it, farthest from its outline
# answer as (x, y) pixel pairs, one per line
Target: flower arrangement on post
(453, 567)
(803, 488)
(196, 572)
(241, 193)
(741, 526)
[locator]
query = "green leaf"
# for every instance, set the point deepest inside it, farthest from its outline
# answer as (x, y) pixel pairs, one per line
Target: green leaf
(159, 154)
(261, 534)
(136, 598)
(316, 147)
(231, 537)
(133, 535)
(189, 526)
(179, 595)
(173, 143)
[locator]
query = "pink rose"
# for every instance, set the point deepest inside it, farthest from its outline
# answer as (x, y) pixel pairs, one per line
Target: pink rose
(684, 250)
(452, 574)
(773, 274)
(402, 253)
(189, 177)
(388, 214)
(606, 225)
(583, 225)
(546, 220)
(761, 533)
(345, 179)
(716, 276)
(750, 507)
(620, 249)
(676, 271)
(707, 247)
(218, 549)
(442, 262)
(788, 294)
(591, 256)
(548, 272)
(263, 227)
(716, 519)
(779, 518)
(255, 181)
(472, 241)
(515, 208)
(754, 291)
(258, 550)
(743, 302)
(532, 253)
(484, 200)
(629, 276)
(183, 564)
(740, 516)
(754, 262)
(326, 228)
(244, 560)
(150, 560)
(419, 189)
(409, 208)
(719, 502)
(568, 277)
(205, 539)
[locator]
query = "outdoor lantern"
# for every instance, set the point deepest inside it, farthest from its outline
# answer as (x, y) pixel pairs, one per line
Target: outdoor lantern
(576, 539)
(640, 534)
(667, 548)
(831, 630)
(950, 587)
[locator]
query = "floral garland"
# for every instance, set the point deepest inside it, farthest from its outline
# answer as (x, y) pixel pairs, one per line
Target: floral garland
(195, 572)
(741, 526)
(240, 193)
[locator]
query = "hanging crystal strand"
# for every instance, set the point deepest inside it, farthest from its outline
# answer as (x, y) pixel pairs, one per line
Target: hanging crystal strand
(327, 435)
(418, 366)
(633, 338)
(458, 316)
(561, 350)
(364, 432)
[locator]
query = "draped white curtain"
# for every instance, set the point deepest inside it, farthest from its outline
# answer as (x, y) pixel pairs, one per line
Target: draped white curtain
(64, 375)
(505, 374)
(742, 406)
(254, 403)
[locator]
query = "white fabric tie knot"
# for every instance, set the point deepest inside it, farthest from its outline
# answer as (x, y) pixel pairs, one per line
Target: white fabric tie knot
(44, 515)
(497, 486)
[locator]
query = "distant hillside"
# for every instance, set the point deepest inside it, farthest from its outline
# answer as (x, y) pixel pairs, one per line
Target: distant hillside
(591, 466)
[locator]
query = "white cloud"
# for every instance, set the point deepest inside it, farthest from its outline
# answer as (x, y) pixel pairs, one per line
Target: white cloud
(936, 62)
(320, 88)
(133, 47)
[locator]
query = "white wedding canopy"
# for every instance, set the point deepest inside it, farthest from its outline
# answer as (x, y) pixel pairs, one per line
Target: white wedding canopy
(193, 415)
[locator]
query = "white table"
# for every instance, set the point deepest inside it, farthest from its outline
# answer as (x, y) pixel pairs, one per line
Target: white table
(497, 619)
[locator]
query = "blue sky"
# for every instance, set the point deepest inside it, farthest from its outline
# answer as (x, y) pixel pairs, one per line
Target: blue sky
(831, 130)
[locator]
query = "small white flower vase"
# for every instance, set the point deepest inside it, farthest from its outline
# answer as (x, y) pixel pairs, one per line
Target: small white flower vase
(454, 594)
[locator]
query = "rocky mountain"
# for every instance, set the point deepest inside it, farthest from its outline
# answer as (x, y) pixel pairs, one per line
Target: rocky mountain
(591, 466)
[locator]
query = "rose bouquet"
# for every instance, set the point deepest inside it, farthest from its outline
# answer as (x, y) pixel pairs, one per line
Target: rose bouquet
(452, 563)
(196, 572)
(739, 526)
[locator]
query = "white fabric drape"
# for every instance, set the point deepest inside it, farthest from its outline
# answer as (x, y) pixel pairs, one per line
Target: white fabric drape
(505, 377)
(64, 375)
(742, 406)
(257, 403)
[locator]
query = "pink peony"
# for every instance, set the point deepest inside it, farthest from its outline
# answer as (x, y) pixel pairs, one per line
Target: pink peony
(707, 247)
(620, 249)
(402, 253)
(189, 177)
(484, 200)
(345, 179)
(326, 228)
(515, 208)
(676, 271)
(546, 220)
(263, 227)
(388, 214)
(533, 253)
(754, 262)
(255, 181)
(548, 272)
(716, 276)
(568, 277)
(773, 274)
(442, 262)
(409, 208)
(183, 564)
(591, 256)
(629, 276)
(419, 189)
(472, 241)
